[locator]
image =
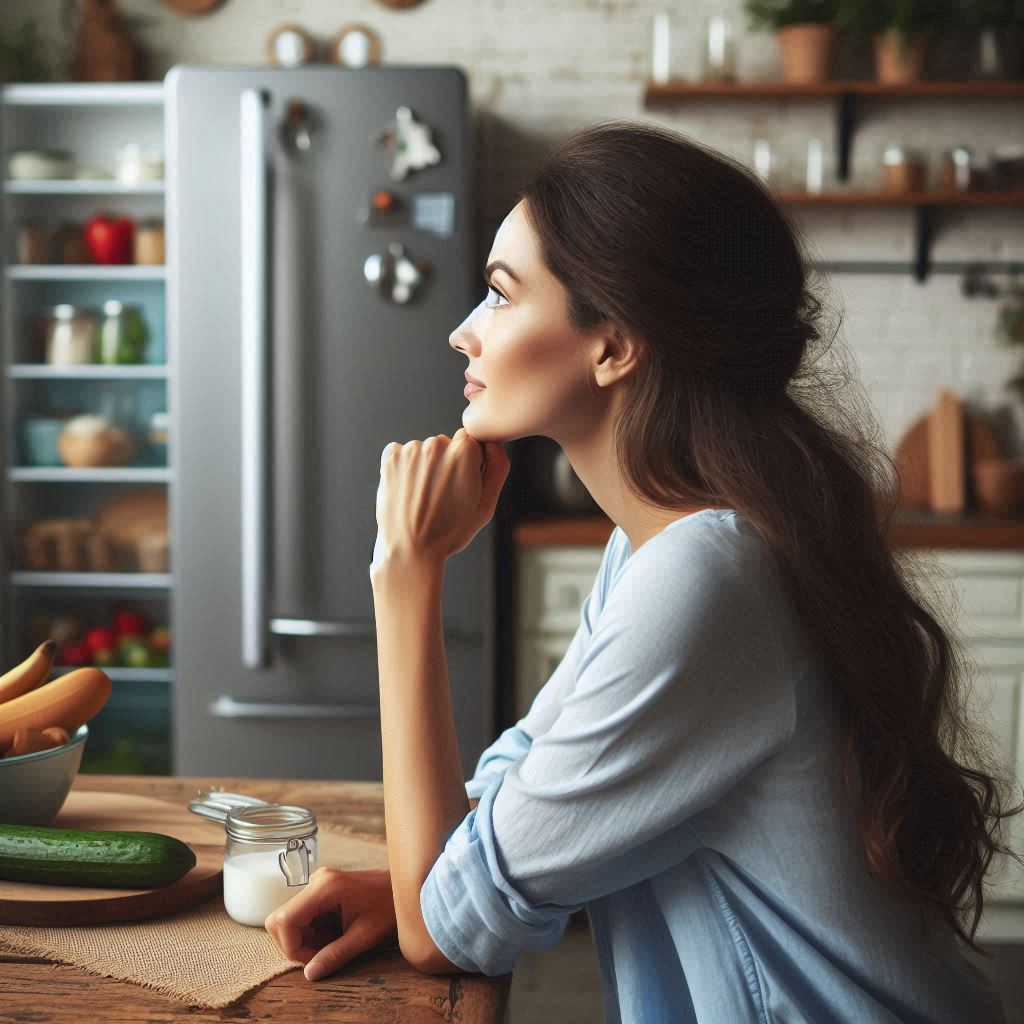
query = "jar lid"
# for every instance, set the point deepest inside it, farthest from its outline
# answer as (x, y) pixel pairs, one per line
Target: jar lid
(67, 311)
(271, 823)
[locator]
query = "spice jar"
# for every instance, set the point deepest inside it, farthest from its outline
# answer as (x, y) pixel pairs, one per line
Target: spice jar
(902, 170)
(32, 244)
(123, 334)
(955, 172)
(69, 243)
(149, 242)
(70, 334)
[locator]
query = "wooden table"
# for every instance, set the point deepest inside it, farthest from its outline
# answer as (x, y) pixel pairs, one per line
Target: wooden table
(378, 986)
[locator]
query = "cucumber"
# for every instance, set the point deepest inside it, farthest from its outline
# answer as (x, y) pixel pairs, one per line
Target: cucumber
(118, 860)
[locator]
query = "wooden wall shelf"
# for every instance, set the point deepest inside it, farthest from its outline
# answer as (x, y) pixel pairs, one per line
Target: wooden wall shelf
(841, 197)
(656, 93)
(913, 530)
(846, 93)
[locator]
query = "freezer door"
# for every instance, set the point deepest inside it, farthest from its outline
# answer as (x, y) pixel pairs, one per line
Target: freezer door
(292, 367)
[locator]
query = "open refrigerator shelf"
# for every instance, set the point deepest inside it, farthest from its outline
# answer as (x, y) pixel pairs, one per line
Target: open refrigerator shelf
(132, 732)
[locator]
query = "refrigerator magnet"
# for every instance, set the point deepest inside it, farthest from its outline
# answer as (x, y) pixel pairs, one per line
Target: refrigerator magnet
(408, 142)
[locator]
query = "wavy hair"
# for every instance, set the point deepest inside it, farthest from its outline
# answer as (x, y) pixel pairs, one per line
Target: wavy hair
(734, 405)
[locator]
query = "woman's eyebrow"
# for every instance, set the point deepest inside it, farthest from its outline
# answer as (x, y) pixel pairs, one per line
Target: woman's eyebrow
(500, 265)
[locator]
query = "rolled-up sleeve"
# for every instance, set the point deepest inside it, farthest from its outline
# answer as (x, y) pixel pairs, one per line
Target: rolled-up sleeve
(685, 686)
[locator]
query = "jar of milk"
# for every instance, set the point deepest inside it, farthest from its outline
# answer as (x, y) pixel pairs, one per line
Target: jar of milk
(271, 851)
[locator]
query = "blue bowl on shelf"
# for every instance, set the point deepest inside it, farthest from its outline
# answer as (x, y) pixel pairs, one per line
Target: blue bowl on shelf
(39, 436)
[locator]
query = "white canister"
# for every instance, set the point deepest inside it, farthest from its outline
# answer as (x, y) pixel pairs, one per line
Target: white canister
(269, 855)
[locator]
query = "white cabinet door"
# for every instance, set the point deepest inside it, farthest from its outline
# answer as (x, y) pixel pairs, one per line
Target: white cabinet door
(553, 584)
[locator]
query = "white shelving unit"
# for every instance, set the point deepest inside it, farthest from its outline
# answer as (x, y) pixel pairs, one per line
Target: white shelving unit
(91, 121)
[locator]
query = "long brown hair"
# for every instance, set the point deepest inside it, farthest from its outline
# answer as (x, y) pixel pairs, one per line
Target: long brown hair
(733, 405)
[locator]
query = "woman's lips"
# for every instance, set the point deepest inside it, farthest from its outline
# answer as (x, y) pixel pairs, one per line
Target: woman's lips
(471, 389)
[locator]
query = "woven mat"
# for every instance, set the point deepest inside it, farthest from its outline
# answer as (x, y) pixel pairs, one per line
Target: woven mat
(198, 956)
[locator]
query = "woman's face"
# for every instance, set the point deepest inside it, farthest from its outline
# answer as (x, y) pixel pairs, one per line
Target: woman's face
(519, 343)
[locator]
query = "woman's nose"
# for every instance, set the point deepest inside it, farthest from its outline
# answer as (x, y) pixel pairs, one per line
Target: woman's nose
(464, 338)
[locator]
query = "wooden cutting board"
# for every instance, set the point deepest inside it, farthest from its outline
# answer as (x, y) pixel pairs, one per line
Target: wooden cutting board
(912, 457)
(31, 904)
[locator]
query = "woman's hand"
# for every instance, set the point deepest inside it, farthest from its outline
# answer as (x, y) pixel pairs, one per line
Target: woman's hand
(435, 495)
(359, 904)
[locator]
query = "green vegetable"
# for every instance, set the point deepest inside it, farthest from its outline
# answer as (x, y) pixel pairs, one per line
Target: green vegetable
(117, 860)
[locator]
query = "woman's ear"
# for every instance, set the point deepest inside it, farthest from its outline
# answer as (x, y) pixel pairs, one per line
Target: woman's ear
(616, 355)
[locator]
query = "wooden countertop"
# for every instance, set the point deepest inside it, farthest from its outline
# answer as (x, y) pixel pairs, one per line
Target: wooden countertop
(377, 986)
(913, 530)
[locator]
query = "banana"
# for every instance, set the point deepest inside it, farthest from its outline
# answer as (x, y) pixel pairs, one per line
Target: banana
(32, 672)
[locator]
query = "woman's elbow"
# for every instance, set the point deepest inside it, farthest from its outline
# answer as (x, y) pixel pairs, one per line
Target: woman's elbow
(428, 959)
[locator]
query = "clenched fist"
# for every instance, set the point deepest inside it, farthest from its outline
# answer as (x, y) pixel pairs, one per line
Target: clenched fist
(435, 495)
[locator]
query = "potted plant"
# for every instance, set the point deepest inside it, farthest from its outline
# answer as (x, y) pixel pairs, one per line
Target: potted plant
(1000, 28)
(900, 32)
(805, 31)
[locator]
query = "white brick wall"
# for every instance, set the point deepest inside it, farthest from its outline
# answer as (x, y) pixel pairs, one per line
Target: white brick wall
(539, 69)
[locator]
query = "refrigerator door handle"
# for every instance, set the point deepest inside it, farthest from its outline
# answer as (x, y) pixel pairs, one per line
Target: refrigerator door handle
(230, 707)
(254, 329)
(313, 627)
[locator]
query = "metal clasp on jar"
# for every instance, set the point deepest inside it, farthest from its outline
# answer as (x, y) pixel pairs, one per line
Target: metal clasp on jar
(295, 865)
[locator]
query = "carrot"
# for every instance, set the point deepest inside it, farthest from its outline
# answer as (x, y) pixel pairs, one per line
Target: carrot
(66, 702)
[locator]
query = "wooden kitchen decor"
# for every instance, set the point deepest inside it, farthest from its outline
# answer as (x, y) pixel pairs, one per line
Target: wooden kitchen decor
(25, 903)
(934, 471)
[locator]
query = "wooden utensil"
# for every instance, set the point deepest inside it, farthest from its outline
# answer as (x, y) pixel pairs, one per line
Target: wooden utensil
(947, 478)
(911, 456)
(28, 903)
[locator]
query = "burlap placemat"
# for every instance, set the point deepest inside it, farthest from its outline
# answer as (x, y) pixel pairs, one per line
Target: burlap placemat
(198, 956)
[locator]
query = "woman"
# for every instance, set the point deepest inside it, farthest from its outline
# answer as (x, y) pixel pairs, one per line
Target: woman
(754, 766)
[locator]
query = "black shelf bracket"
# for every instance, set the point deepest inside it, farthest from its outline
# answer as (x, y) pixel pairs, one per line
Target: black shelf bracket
(925, 230)
(846, 115)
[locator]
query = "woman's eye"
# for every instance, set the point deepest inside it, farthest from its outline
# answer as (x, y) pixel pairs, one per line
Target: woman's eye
(492, 291)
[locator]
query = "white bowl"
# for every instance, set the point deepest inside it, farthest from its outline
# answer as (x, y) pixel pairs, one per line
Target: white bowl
(33, 787)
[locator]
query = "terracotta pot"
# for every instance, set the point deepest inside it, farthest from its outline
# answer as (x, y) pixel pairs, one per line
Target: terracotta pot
(999, 486)
(897, 61)
(808, 52)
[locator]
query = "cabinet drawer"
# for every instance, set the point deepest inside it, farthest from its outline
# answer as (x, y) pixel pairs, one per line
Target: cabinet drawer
(983, 589)
(539, 655)
(553, 584)
(997, 684)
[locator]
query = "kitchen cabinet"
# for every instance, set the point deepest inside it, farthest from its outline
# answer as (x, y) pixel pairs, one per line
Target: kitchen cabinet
(72, 571)
(981, 590)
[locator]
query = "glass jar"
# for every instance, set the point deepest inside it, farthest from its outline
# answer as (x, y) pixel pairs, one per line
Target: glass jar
(159, 424)
(69, 334)
(718, 54)
(902, 169)
(123, 335)
(956, 174)
(270, 853)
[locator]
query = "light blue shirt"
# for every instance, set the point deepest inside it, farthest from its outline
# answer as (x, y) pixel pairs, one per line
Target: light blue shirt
(680, 775)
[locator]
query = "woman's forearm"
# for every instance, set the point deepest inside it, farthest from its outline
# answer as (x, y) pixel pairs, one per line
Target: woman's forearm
(424, 791)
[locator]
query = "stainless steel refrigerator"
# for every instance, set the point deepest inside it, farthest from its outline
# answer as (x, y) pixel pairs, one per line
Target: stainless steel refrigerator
(320, 252)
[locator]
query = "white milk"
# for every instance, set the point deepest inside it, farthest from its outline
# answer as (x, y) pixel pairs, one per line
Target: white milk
(254, 886)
